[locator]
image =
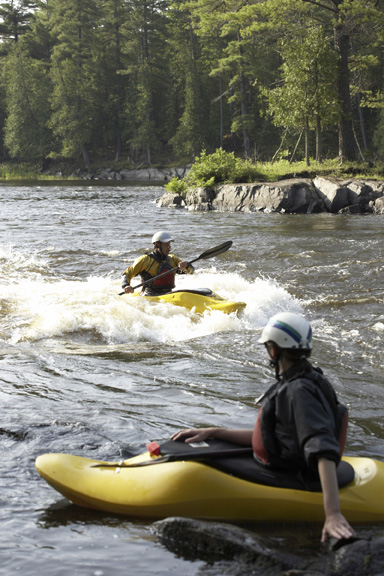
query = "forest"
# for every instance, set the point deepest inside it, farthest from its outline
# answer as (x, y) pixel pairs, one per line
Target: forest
(153, 82)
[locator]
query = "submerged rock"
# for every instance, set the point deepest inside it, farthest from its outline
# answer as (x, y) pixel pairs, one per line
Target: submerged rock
(217, 542)
(239, 552)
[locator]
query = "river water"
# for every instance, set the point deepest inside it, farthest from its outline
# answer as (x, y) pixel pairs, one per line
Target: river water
(89, 372)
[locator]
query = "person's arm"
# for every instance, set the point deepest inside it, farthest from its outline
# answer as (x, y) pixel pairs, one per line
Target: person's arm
(182, 264)
(138, 266)
(335, 524)
(243, 437)
(184, 267)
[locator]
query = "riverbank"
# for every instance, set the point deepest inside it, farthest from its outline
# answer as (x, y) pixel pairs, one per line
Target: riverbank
(298, 192)
(291, 196)
(68, 170)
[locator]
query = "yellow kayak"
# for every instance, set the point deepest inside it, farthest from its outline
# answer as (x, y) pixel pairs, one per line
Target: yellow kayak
(193, 489)
(199, 300)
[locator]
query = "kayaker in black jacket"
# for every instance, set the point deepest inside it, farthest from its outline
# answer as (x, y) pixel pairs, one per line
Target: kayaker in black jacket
(155, 263)
(300, 426)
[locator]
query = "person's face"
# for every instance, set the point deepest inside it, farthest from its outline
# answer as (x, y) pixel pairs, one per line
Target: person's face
(270, 350)
(165, 247)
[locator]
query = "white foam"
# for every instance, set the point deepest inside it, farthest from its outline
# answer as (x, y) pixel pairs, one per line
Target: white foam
(92, 309)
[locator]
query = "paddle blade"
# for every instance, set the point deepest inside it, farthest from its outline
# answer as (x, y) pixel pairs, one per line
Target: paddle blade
(215, 251)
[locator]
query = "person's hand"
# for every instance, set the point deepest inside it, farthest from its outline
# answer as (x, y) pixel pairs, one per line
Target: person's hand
(193, 434)
(337, 527)
(128, 289)
(183, 265)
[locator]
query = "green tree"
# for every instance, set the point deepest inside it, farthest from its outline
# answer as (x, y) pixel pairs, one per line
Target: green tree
(306, 97)
(112, 83)
(74, 25)
(282, 19)
(37, 40)
(189, 138)
(233, 62)
(241, 60)
(379, 132)
(15, 17)
(28, 111)
(144, 41)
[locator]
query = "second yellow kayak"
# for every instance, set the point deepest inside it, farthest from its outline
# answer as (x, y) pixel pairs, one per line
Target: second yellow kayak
(199, 300)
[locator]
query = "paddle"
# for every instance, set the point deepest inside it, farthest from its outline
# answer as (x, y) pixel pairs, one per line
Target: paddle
(197, 456)
(216, 251)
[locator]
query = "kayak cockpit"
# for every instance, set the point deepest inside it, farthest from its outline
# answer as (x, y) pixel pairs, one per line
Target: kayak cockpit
(222, 456)
(199, 291)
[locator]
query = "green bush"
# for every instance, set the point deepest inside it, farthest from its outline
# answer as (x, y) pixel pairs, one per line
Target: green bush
(177, 186)
(220, 167)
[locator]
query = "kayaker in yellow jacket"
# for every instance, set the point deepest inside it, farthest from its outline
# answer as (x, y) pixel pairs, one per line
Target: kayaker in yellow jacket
(154, 263)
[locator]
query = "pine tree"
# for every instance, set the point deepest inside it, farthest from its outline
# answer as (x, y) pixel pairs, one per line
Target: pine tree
(144, 37)
(27, 135)
(15, 16)
(74, 25)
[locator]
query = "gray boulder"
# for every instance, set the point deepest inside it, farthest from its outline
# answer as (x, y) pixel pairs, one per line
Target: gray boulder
(200, 199)
(171, 200)
(335, 195)
(290, 196)
(239, 552)
(378, 205)
(348, 196)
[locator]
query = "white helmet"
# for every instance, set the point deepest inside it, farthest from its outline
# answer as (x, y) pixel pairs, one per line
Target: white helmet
(288, 330)
(161, 236)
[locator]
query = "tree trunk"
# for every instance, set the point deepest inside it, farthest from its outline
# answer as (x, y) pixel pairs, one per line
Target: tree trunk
(280, 147)
(118, 85)
(346, 140)
(360, 111)
(85, 154)
(307, 141)
(296, 146)
(319, 151)
(221, 112)
(246, 139)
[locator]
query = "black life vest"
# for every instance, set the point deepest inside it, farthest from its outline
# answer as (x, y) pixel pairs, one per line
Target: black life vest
(267, 453)
(163, 284)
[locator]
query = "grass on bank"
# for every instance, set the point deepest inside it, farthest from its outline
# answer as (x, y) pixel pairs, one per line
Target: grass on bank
(25, 171)
(283, 169)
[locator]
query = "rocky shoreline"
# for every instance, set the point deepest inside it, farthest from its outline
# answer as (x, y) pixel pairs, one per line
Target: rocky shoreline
(292, 196)
(158, 175)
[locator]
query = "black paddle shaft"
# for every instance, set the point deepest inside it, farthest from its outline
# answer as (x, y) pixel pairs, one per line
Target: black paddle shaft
(216, 251)
(197, 456)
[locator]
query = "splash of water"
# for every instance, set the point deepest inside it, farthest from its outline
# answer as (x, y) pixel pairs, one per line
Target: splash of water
(42, 306)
